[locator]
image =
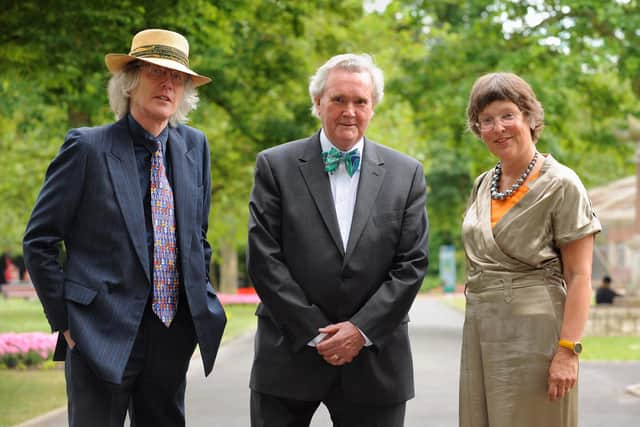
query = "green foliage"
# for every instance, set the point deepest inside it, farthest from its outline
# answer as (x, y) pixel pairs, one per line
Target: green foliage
(431, 283)
(10, 361)
(580, 56)
(448, 187)
(585, 93)
(31, 359)
(26, 130)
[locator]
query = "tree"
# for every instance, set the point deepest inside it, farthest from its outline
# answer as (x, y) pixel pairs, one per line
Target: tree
(459, 41)
(580, 56)
(259, 53)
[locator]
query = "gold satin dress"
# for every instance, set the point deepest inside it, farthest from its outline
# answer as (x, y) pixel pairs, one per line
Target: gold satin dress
(515, 300)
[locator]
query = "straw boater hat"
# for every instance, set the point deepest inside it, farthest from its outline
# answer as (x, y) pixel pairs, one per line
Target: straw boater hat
(161, 47)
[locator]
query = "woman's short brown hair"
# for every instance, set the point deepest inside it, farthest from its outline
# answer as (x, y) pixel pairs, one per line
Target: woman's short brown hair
(505, 87)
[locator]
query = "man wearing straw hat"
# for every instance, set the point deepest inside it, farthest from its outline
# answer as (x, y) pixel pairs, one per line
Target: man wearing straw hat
(130, 202)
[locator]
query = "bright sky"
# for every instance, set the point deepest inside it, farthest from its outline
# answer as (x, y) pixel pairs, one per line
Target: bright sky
(375, 5)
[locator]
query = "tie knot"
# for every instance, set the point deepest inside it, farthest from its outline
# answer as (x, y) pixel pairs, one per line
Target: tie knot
(333, 157)
(158, 153)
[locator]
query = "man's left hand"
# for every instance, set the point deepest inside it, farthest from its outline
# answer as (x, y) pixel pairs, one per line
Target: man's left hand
(342, 343)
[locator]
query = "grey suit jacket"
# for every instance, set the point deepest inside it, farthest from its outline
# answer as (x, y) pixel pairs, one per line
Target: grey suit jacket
(306, 280)
(91, 202)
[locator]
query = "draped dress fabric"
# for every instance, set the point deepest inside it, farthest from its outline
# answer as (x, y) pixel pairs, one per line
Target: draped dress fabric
(515, 300)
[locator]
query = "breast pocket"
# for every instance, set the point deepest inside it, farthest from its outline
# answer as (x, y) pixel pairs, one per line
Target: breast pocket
(385, 229)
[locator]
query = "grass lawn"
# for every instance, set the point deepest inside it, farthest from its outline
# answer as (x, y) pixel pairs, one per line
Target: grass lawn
(595, 348)
(240, 319)
(20, 315)
(611, 348)
(25, 394)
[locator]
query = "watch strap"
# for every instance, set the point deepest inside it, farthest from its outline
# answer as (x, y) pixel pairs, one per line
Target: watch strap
(571, 345)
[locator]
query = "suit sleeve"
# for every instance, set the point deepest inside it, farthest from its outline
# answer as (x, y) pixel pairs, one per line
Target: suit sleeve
(50, 222)
(389, 305)
(206, 207)
(286, 302)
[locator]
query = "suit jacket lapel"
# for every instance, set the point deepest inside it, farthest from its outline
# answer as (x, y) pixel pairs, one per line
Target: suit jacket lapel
(312, 169)
(371, 177)
(121, 162)
(183, 188)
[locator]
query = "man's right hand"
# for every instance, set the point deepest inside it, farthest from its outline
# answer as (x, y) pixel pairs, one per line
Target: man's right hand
(342, 343)
(70, 342)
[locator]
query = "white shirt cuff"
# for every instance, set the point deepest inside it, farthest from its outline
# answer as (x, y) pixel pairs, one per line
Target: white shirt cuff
(367, 341)
(314, 342)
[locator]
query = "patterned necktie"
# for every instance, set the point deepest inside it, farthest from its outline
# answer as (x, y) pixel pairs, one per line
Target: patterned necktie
(333, 157)
(165, 252)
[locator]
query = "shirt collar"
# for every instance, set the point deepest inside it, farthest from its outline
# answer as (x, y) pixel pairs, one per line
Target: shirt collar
(141, 135)
(326, 144)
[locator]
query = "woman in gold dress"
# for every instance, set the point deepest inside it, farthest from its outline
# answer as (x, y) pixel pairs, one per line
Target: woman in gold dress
(528, 235)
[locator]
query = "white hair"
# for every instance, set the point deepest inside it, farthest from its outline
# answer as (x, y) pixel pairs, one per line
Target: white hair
(123, 82)
(350, 62)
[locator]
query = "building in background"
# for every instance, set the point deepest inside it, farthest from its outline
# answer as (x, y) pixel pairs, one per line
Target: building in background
(615, 204)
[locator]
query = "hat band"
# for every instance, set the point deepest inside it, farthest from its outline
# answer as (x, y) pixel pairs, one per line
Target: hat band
(163, 52)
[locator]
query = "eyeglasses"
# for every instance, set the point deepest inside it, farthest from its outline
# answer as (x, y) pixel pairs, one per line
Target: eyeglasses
(161, 74)
(487, 124)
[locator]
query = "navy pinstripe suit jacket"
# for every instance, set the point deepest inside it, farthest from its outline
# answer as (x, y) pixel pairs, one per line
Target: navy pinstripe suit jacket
(92, 203)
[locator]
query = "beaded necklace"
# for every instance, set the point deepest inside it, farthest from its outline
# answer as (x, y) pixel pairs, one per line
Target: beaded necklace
(497, 172)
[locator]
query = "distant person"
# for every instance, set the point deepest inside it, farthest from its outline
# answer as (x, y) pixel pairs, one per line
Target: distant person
(130, 201)
(528, 235)
(604, 293)
(11, 271)
(337, 253)
(3, 269)
(18, 261)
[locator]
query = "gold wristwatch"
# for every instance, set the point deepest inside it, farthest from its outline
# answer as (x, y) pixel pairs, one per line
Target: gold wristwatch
(575, 346)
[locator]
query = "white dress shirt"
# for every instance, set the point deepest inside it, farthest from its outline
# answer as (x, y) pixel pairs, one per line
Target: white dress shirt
(344, 189)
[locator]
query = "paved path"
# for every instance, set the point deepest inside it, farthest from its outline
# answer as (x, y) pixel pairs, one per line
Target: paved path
(222, 399)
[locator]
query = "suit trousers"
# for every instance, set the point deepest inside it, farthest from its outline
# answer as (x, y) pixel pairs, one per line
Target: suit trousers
(153, 384)
(269, 411)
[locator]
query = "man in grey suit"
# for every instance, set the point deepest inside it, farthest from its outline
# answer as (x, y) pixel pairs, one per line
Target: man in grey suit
(337, 251)
(130, 202)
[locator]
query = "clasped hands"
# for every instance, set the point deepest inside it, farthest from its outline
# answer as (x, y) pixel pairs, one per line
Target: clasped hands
(342, 343)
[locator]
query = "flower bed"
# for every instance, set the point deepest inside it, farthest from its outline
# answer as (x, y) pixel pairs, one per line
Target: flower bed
(26, 349)
(239, 298)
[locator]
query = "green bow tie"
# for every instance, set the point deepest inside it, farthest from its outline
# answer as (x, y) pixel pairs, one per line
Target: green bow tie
(333, 157)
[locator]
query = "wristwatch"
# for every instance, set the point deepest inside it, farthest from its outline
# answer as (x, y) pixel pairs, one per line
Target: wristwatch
(575, 346)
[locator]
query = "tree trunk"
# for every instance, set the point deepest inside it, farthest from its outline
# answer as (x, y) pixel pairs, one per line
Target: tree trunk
(228, 268)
